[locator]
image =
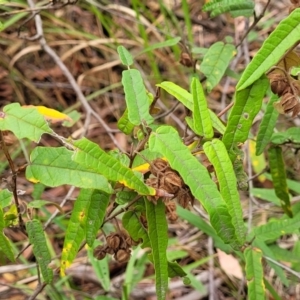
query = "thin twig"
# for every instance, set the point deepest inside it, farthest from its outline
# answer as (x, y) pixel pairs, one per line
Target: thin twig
(256, 20)
(13, 181)
(221, 113)
(124, 209)
(89, 111)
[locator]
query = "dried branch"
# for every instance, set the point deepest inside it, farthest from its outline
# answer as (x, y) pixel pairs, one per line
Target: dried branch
(89, 111)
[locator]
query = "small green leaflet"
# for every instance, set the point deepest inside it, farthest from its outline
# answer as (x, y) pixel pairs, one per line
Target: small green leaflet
(124, 124)
(282, 38)
(186, 99)
(158, 235)
(95, 214)
(55, 167)
(217, 154)
(195, 175)
(291, 135)
(131, 222)
(167, 43)
(5, 244)
(5, 198)
(202, 120)
(278, 173)
(215, 62)
(234, 7)
(254, 273)
(136, 98)
(93, 158)
(125, 56)
(247, 104)
(274, 230)
(266, 126)
(24, 122)
(76, 230)
(37, 239)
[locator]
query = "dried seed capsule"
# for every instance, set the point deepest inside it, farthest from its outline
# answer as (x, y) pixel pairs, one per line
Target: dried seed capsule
(100, 252)
(279, 84)
(186, 60)
(122, 255)
(113, 241)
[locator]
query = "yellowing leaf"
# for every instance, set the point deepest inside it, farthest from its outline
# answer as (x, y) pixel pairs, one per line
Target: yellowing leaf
(51, 114)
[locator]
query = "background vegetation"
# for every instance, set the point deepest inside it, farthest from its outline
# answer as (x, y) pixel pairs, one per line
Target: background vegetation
(69, 60)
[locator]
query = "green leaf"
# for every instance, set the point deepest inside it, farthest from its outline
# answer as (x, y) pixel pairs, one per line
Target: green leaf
(167, 43)
(24, 122)
(254, 274)
(266, 126)
(247, 104)
(76, 230)
(269, 253)
(93, 158)
(186, 99)
(42, 255)
(6, 247)
(125, 56)
(273, 230)
(123, 197)
(295, 72)
(234, 7)
(5, 244)
(282, 38)
(131, 222)
(277, 169)
(196, 176)
(135, 270)
(215, 62)
(202, 120)
(271, 290)
(136, 98)
(291, 135)
(124, 124)
(199, 223)
(265, 194)
(174, 269)
(158, 235)
(100, 267)
(95, 214)
(5, 198)
(179, 93)
(55, 167)
(217, 155)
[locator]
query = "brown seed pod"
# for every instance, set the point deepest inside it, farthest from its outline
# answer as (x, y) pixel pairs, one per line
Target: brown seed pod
(122, 255)
(173, 178)
(171, 211)
(186, 60)
(185, 197)
(130, 242)
(279, 83)
(114, 241)
(100, 252)
(152, 181)
(296, 110)
(158, 166)
(289, 103)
